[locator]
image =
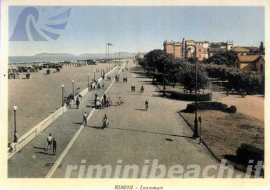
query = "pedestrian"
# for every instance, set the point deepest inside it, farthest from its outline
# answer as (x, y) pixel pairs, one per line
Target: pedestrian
(104, 100)
(78, 102)
(146, 105)
(54, 146)
(16, 137)
(108, 102)
(95, 102)
(49, 140)
(105, 121)
(68, 102)
(120, 101)
(85, 118)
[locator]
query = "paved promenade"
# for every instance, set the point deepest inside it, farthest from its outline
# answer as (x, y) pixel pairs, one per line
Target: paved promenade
(133, 137)
(33, 161)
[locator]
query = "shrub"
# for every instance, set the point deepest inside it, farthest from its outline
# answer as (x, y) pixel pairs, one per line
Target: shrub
(248, 152)
(191, 97)
(231, 109)
(210, 106)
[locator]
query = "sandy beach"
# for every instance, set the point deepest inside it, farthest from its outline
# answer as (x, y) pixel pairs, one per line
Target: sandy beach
(38, 97)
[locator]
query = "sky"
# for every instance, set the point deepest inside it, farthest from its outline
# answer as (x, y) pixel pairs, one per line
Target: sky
(131, 29)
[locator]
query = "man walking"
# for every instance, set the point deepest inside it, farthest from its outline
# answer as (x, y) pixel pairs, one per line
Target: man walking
(85, 118)
(49, 140)
(78, 102)
(104, 100)
(146, 105)
(54, 145)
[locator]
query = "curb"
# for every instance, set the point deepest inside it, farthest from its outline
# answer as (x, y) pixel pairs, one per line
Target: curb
(239, 168)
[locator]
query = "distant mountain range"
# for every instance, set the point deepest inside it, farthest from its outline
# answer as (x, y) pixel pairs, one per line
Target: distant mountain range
(93, 55)
(54, 54)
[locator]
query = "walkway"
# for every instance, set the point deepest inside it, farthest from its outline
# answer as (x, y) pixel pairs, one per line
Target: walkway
(33, 161)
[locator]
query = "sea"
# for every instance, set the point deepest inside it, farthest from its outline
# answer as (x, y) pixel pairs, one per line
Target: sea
(31, 59)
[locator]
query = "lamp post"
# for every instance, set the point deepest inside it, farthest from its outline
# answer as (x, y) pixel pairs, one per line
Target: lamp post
(73, 87)
(109, 44)
(195, 134)
(164, 93)
(15, 127)
(200, 120)
(63, 95)
(106, 50)
(88, 80)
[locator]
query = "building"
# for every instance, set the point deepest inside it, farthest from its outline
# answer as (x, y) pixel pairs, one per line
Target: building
(246, 50)
(241, 51)
(250, 63)
(173, 48)
(187, 48)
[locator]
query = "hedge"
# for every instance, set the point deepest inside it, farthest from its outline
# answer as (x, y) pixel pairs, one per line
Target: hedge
(191, 97)
(210, 106)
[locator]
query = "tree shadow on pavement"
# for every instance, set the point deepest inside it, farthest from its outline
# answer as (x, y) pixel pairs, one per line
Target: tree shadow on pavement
(45, 153)
(140, 109)
(95, 127)
(183, 136)
(40, 148)
(77, 123)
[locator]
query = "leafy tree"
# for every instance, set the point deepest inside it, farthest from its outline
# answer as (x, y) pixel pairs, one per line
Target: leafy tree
(223, 58)
(187, 77)
(159, 60)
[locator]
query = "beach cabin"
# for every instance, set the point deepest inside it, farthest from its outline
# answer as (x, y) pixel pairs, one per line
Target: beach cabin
(14, 76)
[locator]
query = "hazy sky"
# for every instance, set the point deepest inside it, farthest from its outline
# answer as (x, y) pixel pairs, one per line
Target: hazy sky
(134, 29)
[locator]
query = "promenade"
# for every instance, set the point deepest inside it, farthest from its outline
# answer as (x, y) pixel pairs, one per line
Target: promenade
(133, 137)
(32, 161)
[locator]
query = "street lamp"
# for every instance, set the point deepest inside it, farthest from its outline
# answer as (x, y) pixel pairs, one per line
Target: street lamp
(200, 120)
(73, 87)
(63, 95)
(88, 80)
(164, 94)
(109, 44)
(195, 134)
(15, 128)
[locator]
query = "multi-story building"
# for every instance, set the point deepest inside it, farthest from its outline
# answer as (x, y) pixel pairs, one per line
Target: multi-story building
(173, 48)
(188, 48)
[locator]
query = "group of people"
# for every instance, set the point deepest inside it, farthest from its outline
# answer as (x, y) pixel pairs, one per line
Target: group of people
(95, 84)
(71, 97)
(133, 88)
(125, 80)
(102, 102)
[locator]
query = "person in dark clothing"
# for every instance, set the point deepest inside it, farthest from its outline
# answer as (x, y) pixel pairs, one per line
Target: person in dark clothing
(54, 146)
(104, 100)
(146, 105)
